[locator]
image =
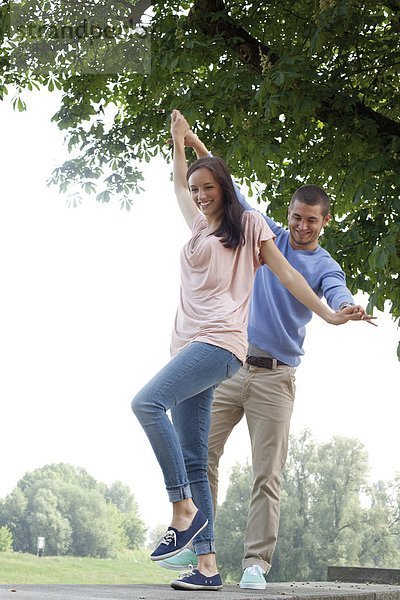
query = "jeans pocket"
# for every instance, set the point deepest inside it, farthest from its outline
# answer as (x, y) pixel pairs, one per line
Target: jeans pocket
(233, 366)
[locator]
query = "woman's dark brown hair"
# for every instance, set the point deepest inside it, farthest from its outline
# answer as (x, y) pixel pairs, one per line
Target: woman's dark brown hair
(230, 231)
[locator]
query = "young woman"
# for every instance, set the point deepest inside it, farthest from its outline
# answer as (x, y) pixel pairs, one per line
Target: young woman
(209, 344)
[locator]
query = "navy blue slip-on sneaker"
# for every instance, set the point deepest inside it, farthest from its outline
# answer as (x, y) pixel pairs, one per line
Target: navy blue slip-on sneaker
(197, 581)
(174, 541)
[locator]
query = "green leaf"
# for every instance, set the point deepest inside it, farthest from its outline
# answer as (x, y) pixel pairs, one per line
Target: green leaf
(379, 257)
(279, 78)
(103, 196)
(320, 105)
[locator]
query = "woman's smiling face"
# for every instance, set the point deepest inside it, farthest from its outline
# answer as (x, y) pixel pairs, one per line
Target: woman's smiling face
(207, 193)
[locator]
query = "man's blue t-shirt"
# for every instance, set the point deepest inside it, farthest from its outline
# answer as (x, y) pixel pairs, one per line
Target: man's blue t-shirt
(277, 319)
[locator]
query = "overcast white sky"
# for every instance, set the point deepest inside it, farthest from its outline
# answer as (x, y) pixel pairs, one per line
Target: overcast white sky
(88, 297)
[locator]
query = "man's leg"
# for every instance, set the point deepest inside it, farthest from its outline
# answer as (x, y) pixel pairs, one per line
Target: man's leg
(268, 406)
(226, 412)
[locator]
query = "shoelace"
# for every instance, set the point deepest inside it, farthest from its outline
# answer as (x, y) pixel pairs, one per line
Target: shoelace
(255, 570)
(169, 537)
(186, 573)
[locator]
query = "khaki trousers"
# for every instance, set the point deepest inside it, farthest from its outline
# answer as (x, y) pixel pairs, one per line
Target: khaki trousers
(266, 397)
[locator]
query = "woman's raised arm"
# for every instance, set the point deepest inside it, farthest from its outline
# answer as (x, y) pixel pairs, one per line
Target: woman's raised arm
(298, 286)
(179, 128)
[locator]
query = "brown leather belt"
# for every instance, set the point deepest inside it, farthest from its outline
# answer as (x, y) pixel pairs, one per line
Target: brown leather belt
(264, 361)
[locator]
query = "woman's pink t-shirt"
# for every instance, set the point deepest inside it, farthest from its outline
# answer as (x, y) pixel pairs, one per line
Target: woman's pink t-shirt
(216, 284)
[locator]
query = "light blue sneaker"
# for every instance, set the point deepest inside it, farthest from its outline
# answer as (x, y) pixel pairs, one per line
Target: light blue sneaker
(184, 560)
(253, 578)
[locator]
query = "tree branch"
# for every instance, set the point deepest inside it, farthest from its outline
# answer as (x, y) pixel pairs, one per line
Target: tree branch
(212, 19)
(137, 9)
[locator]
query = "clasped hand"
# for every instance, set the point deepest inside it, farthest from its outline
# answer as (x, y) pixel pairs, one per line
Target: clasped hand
(354, 313)
(179, 125)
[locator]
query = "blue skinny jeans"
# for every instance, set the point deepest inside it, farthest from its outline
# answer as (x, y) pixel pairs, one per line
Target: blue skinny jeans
(185, 386)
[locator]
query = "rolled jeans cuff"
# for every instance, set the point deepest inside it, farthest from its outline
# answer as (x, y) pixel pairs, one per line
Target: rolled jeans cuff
(204, 547)
(181, 493)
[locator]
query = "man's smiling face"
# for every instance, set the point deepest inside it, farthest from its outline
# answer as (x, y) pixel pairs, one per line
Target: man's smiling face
(305, 223)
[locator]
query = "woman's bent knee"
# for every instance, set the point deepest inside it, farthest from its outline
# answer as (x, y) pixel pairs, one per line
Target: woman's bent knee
(146, 408)
(137, 405)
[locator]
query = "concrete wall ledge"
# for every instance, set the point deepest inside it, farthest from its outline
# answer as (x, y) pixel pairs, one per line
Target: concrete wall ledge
(364, 575)
(274, 591)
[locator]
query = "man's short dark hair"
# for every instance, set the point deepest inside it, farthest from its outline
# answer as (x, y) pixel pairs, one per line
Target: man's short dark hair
(312, 195)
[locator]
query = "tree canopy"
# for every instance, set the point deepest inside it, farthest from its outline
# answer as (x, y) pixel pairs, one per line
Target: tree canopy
(286, 93)
(76, 514)
(330, 513)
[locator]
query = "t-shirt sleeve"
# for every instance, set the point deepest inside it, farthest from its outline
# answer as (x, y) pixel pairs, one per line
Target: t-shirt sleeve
(273, 225)
(257, 231)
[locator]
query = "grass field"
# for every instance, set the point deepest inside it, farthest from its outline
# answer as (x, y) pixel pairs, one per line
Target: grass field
(132, 566)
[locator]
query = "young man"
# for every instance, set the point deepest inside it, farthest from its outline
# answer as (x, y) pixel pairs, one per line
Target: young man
(264, 388)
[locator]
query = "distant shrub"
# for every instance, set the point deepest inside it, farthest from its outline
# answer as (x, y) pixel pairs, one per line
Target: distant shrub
(6, 539)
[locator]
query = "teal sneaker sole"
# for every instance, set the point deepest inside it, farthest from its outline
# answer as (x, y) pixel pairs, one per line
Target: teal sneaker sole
(180, 562)
(253, 586)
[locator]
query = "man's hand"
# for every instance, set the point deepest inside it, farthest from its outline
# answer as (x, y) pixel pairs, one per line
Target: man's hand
(191, 139)
(354, 313)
